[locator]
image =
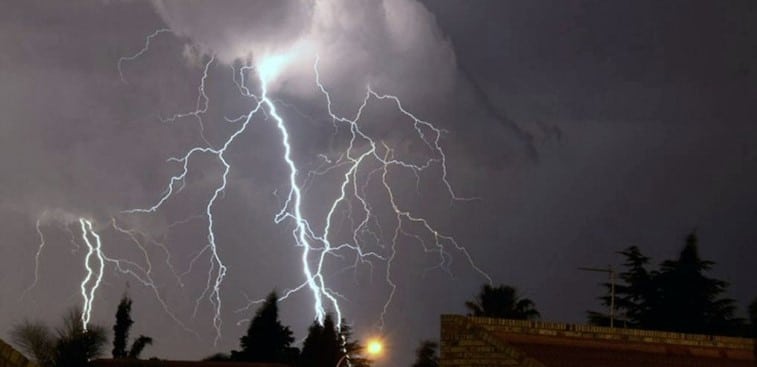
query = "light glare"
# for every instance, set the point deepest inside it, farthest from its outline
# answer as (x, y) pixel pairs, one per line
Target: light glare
(375, 347)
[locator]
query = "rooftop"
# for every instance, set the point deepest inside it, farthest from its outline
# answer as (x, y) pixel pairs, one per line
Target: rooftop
(475, 341)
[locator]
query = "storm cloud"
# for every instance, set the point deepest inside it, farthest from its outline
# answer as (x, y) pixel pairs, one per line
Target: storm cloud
(576, 128)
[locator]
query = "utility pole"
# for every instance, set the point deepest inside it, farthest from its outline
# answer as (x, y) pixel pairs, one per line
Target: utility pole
(611, 272)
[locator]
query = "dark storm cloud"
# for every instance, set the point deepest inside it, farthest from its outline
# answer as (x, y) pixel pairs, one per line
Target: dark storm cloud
(678, 59)
(653, 104)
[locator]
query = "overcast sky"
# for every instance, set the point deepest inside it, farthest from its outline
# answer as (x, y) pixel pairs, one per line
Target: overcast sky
(577, 128)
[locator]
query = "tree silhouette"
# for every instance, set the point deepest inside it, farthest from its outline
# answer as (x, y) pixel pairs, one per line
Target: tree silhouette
(502, 302)
(138, 346)
(677, 297)
(37, 340)
(70, 346)
(689, 301)
(121, 328)
(218, 357)
(267, 340)
(76, 346)
(321, 347)
(121, 333)
(753, 317)
(325, 346)
(350, 347)
(634, 297)
(426, 354)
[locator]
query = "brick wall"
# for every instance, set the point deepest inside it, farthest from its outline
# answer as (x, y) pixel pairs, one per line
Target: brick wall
(465, 344)
(475, 341)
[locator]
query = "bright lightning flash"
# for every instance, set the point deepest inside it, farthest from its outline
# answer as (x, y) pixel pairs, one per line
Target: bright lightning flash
(365, 160)
(94, 268)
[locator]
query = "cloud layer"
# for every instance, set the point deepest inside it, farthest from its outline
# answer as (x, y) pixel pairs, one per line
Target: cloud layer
(381, 43)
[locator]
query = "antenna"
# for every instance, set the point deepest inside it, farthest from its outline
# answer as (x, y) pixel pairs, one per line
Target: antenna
(611, 273)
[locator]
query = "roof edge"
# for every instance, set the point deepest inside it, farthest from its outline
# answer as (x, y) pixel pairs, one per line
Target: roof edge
(605, 333)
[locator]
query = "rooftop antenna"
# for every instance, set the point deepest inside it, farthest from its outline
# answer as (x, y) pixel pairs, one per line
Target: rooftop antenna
(611, 272)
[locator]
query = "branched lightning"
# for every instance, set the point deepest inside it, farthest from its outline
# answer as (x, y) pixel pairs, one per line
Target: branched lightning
(96, 259)
(217, 270)
(143, 274)
(385, 162)
(201, 105)
(365, 164)
(140, 52)
(351, 162)
(135, 236)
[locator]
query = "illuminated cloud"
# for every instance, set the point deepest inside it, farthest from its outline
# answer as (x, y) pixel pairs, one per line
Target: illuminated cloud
(359, 42)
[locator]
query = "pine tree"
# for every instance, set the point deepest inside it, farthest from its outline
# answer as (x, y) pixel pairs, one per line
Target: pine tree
(689, 301)
(121, 328)
(426, 354)
(677, 297)
(267, 340)
(635, 294)
(121, 333)
(352, 348)
(327, 346)
(321, 346)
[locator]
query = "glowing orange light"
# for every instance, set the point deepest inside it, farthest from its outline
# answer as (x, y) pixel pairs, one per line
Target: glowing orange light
(374, 347)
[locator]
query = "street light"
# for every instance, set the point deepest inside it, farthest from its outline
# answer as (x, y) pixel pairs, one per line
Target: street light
(374, 348)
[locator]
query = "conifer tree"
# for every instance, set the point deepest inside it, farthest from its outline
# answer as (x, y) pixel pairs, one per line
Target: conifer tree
(677, 297)
(121, 328)
(426, 354)
(267, 340)
(121, 333)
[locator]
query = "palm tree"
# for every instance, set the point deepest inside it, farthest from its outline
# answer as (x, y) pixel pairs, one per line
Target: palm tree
(502, 302)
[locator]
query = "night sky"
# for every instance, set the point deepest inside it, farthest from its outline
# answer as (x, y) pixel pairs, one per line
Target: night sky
(570, 129)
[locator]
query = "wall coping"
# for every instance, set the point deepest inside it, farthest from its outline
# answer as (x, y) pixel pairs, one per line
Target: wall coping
(604, 333)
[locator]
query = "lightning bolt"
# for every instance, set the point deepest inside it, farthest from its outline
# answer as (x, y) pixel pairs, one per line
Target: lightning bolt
(36, 259)
(217, 271)
(354, 159)
(365, 162)
(94, 268)
(201, 106)
(96, 259)
(386, 161)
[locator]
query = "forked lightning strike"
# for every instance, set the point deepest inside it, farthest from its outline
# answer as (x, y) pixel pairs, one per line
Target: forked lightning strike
(364, 161)
(94, 271)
